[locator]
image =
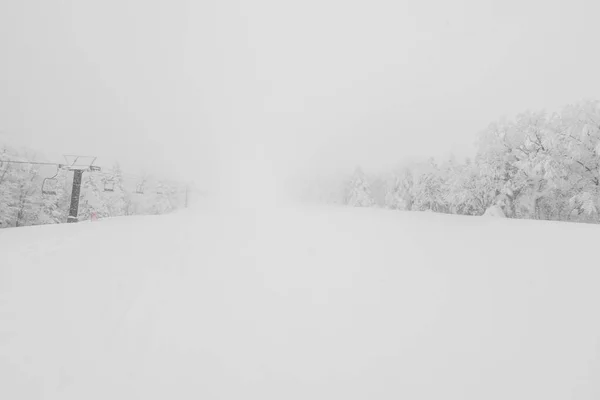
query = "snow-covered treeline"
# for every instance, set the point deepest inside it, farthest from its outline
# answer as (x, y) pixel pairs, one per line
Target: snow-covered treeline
(537, 166)
(109, 193)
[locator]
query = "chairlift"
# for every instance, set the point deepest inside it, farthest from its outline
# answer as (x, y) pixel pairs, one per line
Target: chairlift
(140, 188)
(49, 185)
(3, 166)
(109, 185)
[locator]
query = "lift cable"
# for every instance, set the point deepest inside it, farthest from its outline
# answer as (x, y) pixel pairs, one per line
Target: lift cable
(30, 162)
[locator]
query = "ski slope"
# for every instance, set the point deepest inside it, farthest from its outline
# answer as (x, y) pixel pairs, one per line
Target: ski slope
(300, 303)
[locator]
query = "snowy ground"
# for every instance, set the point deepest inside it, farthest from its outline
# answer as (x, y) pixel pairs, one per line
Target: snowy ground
(314, 303)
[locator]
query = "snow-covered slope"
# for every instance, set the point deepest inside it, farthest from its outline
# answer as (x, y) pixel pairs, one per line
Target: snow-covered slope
(322, 303)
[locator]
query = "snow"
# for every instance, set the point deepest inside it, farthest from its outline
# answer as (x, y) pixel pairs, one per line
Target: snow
(494, 211)
(299, 303)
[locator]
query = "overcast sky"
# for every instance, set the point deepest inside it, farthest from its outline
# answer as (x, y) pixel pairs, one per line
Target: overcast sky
(200, 89)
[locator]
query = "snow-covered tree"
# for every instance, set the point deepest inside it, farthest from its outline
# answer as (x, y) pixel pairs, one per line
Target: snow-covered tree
(27, 196)
(19, 189)
(400, 190)
(119, 200)
(8, 190)
(429, 189)
(358, 190)
(578, 151)
(92, 197)
(466, 191)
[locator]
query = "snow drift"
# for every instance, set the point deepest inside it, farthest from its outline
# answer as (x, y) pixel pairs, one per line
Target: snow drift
(321, 303)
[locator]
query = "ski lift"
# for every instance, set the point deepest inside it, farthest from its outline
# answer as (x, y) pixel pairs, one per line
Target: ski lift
(3, 168)
(49, 185)
(140, 188)
(109, 185)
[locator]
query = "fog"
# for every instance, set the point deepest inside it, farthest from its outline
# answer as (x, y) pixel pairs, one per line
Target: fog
(238, 95)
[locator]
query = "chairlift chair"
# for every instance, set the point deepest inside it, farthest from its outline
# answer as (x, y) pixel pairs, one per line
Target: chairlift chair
(109, 185)
(49, 185)
(140, 188)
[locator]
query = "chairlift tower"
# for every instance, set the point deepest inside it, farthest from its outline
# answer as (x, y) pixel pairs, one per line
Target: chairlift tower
(79, 165)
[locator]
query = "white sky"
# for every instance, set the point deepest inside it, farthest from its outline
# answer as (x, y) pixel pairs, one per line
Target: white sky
(199, 89)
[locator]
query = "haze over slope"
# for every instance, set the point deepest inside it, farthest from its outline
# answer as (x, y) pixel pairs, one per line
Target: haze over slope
(194, 89)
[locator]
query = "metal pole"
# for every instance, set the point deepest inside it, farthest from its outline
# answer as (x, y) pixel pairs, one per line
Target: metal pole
(75, 193)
